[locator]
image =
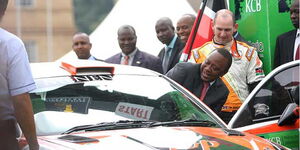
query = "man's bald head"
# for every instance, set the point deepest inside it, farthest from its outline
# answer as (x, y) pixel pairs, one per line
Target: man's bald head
(224, 26)
(225, 13)
(166, 21)
(81, 45)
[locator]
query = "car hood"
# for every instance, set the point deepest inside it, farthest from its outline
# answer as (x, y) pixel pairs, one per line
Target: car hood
(159, 138)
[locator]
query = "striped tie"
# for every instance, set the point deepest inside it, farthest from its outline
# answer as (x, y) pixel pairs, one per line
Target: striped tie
(125, 62)
(204, 90)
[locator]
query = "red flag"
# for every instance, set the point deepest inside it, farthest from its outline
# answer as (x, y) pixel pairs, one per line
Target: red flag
(202, 31)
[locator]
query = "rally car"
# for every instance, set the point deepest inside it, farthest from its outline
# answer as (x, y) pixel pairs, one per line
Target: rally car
(270, 111)
(95, 105)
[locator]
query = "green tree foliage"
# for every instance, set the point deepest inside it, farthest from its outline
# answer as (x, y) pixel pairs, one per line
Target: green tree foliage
(89, 13)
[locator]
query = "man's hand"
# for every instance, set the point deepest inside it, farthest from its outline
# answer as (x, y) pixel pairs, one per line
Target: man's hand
(24, 115)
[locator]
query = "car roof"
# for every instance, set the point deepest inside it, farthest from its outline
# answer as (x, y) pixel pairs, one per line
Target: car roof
(55, 69)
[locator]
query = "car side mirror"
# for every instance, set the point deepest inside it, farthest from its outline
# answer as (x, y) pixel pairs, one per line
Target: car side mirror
(289, 116)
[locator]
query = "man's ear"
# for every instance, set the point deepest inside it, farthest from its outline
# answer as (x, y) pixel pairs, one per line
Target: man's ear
(235, 27)
(212, 25)
(223, 73)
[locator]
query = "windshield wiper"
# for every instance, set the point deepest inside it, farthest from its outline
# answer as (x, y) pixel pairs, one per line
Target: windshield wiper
(123, 124)
(187, 122)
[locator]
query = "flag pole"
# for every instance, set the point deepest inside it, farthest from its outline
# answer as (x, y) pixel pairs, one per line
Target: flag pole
(188, 49)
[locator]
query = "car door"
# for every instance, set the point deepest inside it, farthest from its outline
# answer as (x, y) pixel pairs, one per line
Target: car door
(260, 112)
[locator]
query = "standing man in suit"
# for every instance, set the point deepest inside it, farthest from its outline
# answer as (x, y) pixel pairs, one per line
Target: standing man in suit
(82, 46)
(130, 54)
(184, 26)
(203, 80)
(171, 53)
(287, 44)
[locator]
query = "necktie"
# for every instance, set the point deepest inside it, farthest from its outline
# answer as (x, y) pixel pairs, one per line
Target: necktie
(165, 64)
(126, 58)
(204, 90)
(297, 57)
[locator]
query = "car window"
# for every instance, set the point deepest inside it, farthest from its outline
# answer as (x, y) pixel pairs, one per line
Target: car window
(114, 98)
(270, 100)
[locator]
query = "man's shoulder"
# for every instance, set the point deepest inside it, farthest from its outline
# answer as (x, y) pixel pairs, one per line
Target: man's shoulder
(243, 44)
(203, 49)
(248, 51)
(287, 34)
(185, 69)
(113, 58)
(208, 44)
(97, 59)
(8, 37)
(147, 55)
(179, 43)
(187, 65)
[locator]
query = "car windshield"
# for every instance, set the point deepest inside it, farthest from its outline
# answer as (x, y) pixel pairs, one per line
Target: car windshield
(61, 103)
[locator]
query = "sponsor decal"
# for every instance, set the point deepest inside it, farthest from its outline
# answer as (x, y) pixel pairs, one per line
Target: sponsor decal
(288, 138)
(259, 71)
(82, 78)
(134, 111)
(253, 6)
(261, 109)
(196, 55)
(68, 104)
(249, 53)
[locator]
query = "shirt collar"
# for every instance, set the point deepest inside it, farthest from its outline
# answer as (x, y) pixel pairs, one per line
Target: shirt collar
(235, 35)
(212, 82)
(91, 58)
(131, 54)
(172, 43)
(298, 33)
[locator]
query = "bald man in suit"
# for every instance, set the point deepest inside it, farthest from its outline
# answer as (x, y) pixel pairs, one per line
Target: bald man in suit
(130, 54)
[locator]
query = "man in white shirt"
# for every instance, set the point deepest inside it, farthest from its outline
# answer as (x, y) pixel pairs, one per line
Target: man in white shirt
(15, 83)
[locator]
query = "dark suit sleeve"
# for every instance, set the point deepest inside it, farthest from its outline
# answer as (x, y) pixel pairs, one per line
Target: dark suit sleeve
(108, 60)
(252, 86)
(277, 53)
(177, 73)
(158, 66)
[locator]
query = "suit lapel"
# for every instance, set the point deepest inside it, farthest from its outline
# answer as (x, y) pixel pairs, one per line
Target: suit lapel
(174, 53)
(210, 97)
(197, 81)
(118, 58)
(138, 58)
(290, 40)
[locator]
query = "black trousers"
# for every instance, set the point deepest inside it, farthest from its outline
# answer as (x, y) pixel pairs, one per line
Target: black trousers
(8, 134)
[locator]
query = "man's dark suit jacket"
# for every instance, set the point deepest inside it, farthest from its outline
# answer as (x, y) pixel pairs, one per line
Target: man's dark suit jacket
(175, 55)
(284, 49)
(141, 59)
(188, 75)
(237, 36)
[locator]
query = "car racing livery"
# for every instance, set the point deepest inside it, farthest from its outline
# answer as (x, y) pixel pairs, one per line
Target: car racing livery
(95, 105)
(175, 138)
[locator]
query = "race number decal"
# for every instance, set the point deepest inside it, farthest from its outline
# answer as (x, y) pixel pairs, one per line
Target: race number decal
(134, 111)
